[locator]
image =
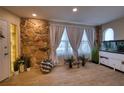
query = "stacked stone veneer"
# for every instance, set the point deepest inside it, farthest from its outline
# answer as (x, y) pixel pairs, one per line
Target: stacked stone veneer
(34, 35)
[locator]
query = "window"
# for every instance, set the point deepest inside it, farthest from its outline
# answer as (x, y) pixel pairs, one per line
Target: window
(109, 34)
(64, 49)
(84, 48)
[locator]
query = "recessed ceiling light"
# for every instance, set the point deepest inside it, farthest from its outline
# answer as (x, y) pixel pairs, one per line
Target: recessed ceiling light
(74, 9)
(34, 14)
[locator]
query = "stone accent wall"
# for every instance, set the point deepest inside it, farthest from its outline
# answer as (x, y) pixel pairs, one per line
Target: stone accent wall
(34, 37)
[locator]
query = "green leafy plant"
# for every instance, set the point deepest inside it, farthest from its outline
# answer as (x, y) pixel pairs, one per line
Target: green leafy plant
(70, 60)
(83, 59)
(95, 55)
(17, 63)
(26, 61)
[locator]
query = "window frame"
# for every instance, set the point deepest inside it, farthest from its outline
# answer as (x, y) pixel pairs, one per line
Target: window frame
(67, 45)
(84, 42)
(104, 33)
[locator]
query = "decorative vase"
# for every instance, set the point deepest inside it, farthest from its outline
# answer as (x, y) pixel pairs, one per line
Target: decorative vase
(28, 69)
(21, 68)
(16, 73)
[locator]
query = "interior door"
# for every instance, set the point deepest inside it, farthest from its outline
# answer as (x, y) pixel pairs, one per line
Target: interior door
(4, 51)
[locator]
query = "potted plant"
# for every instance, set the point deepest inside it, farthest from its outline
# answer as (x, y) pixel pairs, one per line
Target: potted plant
(16, 67)
(28, 63)
(82, 58)
(20, 62)
(69, 60)
(21, 65)
(95, 55)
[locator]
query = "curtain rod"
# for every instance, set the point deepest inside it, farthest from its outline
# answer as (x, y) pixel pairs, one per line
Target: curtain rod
(70, 23)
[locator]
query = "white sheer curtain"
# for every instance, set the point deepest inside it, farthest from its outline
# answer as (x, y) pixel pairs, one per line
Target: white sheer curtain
(56, 31)
(64, 50)
(84, 48)
(75, 35)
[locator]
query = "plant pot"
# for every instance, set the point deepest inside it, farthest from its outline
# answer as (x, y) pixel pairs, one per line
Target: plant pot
(16, 73)
(28, 69)
(83, 63)
(70, 64)
(95, 62)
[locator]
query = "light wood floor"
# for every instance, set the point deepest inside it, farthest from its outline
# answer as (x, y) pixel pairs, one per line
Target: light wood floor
(91, 74)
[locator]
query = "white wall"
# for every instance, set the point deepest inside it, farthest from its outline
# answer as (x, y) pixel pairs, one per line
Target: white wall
(11, 18)
(117, 26)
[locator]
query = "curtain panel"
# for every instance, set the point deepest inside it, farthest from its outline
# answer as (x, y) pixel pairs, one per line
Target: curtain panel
(56, 31)
(75, 36)
(90, 32)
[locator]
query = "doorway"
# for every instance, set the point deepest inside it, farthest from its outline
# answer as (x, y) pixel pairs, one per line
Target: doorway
(4, 50)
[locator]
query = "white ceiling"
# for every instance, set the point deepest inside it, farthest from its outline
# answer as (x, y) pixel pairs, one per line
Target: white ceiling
(89, 15)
